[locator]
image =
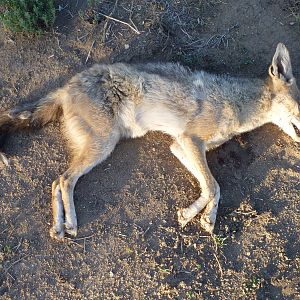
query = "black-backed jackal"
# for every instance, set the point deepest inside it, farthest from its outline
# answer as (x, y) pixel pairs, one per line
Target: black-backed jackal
(106, 103)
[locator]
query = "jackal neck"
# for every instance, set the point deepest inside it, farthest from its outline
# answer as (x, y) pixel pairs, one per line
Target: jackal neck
(255, 111)
(249, 99)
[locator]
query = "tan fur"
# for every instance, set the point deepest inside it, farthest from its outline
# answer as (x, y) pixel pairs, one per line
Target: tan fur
(106, 103)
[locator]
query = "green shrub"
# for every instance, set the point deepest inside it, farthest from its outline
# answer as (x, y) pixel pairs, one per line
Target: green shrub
(28, 16)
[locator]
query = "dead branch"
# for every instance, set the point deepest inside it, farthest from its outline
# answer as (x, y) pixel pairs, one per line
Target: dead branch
(120, 21)
(89, 54)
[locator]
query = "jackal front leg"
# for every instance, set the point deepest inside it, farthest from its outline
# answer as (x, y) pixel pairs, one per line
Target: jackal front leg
(57, 231)
(190, 150)
(290, 127)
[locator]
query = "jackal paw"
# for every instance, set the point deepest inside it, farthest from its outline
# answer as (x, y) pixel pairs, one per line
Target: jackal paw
(57, 233)
(182, 220)
(207, 223)
(71, 229)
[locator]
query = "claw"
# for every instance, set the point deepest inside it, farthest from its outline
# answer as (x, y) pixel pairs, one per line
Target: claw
(207, 224)
(71, 229)
(57, 233)
(181, 219)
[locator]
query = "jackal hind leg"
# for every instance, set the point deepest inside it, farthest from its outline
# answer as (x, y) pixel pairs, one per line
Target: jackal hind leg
(191, 153)
(93, 149)
(64, 214)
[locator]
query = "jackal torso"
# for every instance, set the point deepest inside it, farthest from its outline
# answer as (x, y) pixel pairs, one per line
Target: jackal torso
(173, 99)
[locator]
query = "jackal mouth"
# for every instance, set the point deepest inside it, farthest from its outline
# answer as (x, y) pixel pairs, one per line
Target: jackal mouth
(297, 130)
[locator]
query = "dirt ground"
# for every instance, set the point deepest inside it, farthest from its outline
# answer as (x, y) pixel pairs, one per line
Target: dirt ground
(129, 244)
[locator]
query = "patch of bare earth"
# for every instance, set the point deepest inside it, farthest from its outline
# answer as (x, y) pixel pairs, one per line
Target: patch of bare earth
(130, 245)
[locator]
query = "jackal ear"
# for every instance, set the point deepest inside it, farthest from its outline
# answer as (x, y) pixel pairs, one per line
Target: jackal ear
(281, 66)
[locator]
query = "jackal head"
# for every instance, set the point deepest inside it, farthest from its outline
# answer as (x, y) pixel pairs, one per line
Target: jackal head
(285, 94)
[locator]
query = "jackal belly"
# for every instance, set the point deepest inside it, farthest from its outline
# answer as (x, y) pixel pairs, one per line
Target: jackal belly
(161, 117)
(225, 130)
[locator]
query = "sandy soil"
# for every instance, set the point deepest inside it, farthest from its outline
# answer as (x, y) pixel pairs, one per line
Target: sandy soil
(129, 244)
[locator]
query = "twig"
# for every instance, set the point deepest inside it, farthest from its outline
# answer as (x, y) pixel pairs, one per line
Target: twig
(106, 23)
(19, 244)
(215, 250)
(189, 36)
(194, 42)
(73, 242)
(83, 238)
(72, 16)
(219, 265)
(130, 17)
(89, 54)
(3, 230)
(146, 230)
(122, 235)
(81, 37)
(12, 277)
(10, 40)
(84, 241)
(166, 43)
(59, 44)
(120, 21)
(246, 213)
(6, 270)
(215, 40)
(61, 8)
(184, 271)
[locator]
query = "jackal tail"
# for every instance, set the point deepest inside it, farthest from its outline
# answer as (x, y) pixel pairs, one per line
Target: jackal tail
(29, 115)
